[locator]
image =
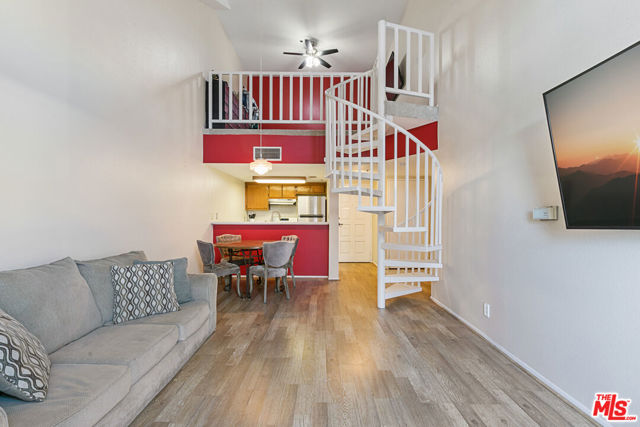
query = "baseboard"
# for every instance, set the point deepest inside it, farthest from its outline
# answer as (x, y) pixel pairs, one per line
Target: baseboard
(566, 396)
(297, 277)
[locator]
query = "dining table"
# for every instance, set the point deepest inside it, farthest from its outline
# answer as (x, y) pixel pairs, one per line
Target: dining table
(250, 251)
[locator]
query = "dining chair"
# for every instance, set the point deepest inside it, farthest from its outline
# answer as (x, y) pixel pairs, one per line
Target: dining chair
(222, 269)
(293, 239)
(276, 256)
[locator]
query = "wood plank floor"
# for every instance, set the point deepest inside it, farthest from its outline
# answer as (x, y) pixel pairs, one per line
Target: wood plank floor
(330, 357)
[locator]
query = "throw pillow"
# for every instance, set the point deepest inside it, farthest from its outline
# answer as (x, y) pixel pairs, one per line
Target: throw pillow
(24, 364)
(97, 273)
(180, 278)
(142, 290)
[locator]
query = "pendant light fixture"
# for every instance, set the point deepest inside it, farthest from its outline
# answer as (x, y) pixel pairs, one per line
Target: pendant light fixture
(260, 165)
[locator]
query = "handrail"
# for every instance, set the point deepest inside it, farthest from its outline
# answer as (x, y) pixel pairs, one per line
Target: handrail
(404, 44)
(353, 127)
(252, 97)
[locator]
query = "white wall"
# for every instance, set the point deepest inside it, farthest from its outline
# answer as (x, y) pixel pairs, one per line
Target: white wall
(101, 116)
(565, 302)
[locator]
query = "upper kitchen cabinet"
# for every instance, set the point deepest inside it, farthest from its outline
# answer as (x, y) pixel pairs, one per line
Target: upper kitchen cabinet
(311, 188)
(275, 191)
(256, 197)
(288, 191)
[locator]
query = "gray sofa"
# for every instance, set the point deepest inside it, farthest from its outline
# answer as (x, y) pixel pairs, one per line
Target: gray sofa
(101, 374)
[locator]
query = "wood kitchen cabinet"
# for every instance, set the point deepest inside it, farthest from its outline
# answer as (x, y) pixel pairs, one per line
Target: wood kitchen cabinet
(317, 188)
(256, 197)
(289, 191)
(275, 191)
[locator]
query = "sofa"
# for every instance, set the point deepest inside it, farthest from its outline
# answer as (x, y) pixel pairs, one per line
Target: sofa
(101, 374)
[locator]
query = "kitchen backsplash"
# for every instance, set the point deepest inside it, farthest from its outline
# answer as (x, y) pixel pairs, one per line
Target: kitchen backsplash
(265, 216)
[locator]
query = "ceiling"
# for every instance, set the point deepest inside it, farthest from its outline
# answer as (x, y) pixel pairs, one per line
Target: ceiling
(273, 26)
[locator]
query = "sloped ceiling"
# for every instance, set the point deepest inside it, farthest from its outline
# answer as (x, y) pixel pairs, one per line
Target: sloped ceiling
(268, 27)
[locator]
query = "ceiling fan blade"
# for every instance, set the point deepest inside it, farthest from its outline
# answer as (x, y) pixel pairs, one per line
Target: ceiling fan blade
(325, 63)
(328, 52)
(293, 53)
(302, 65)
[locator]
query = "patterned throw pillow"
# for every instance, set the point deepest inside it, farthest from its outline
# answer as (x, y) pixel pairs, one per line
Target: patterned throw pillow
(24, 364)
(142, 290)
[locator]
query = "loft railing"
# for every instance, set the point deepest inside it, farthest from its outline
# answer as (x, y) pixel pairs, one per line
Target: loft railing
(247, 97)
(413, 71)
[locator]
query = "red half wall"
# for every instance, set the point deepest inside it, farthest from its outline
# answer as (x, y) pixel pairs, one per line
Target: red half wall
(239, 148)
(303, 149)
(312, 255)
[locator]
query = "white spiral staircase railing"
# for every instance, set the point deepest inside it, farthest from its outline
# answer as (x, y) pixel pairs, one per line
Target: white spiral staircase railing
(368, 152)
(394, 174)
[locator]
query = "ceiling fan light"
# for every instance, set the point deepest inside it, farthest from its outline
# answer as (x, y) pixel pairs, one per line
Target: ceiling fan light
(308, 61)
(315, 62)
(260, 166)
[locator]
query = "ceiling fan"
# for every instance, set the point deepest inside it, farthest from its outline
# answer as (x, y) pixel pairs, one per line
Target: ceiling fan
(312, 54)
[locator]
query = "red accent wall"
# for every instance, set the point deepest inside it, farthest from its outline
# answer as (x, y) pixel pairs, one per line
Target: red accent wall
(428, 134)
(312, 255)
(239, 148)
(271, 89)
(298, 148)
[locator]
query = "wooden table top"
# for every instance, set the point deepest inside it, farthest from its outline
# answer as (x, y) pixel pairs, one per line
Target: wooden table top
(243, 244)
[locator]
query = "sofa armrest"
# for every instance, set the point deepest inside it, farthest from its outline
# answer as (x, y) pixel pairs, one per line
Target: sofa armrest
(4, 420)
(204, 287)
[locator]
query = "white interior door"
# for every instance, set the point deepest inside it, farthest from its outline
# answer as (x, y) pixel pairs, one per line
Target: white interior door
(355, 231)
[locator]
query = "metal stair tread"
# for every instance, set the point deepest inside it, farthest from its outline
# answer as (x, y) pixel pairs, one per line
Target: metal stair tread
(402, 263)
(393, 229)
(412, 248)
(357, 147)
(400, 289)
(410, 277)
(354, 190)
(363, 175)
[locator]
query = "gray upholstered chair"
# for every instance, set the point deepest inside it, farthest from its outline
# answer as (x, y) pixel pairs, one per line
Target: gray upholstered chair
(293, 239)
(276, 257)
(222, 269)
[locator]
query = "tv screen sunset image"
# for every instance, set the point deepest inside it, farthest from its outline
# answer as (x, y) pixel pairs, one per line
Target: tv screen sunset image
(594, 121)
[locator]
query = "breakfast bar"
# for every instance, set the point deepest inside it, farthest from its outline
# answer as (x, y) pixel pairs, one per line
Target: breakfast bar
(312, 255)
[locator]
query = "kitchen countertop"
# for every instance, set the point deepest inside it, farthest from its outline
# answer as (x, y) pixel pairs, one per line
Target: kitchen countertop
(267, 223)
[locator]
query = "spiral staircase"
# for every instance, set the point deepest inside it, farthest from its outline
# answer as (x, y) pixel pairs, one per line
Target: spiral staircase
(395, 175)
(369, 151)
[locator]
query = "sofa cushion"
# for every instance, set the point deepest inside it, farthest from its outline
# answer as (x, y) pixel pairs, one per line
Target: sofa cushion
(188, 320)
(180, 280)
(97, 273)
(24, 364)
(139, 347)
(79, 395)
(52, 301)
(142, 290)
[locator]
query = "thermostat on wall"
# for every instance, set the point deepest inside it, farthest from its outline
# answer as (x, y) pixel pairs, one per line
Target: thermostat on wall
(548, 213)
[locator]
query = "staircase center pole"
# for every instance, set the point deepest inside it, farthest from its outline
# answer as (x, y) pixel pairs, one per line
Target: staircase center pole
(382, 54)
(381, 268)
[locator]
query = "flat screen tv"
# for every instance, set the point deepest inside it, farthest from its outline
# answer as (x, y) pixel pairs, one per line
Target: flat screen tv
(594, 122)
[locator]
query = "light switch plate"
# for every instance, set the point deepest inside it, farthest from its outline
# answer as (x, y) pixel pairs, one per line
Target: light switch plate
(547, 213)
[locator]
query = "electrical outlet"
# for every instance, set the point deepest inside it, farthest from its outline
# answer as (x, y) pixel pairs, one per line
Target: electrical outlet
(486, 310)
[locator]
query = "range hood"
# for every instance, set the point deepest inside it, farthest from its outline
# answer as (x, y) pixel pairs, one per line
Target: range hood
(286, 202)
